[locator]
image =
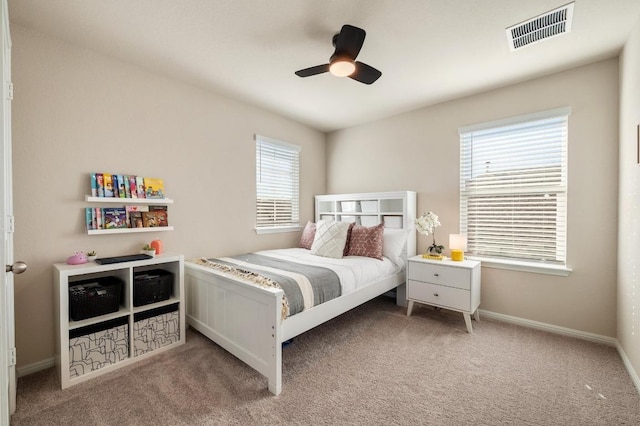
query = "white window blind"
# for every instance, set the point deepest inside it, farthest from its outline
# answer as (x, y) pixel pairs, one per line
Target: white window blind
(277, 184)
(513, 188)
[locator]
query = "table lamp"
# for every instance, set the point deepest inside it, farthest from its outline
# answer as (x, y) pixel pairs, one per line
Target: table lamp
(458, 245)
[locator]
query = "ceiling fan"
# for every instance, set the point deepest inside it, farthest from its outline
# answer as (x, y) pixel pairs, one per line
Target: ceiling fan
(342, 63)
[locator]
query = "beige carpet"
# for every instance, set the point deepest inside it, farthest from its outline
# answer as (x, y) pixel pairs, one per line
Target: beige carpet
(371, 366)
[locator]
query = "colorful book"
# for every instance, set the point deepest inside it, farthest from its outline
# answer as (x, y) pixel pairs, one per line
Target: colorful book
(94, 221)
(140, 187)
(114, 217)
(108, 184)
(133, 190)
(122, 188)
(154, 187)
(100, 184)
(127, 187)
(94, 185)
(88, 220)
(162, 219)
(134, 216)
(99, 219)
(150, 219)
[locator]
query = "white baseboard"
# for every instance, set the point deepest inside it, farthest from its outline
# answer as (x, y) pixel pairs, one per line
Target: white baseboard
(35, 367)
(597, 338)
(629, 367)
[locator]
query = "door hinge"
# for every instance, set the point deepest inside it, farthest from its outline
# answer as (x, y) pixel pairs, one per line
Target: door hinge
(12, 357)
(10, 224)
(10, 91)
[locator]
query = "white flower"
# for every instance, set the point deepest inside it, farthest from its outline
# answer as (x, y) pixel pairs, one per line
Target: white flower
(426, 223)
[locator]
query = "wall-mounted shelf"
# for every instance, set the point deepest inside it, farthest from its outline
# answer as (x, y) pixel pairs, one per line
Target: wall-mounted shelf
(128, 230)
(143, 201)
(130, 201)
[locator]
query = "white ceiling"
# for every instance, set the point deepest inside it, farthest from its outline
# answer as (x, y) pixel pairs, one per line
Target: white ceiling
(428, 51)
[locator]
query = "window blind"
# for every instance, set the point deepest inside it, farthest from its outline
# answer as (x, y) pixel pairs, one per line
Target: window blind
(277, 183)
(513, 188)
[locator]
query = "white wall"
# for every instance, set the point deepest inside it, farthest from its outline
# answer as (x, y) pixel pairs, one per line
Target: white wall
(629, 202)
(419, 151)
(76, 111)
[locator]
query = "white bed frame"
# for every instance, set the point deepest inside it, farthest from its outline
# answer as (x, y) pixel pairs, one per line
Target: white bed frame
(246, 319)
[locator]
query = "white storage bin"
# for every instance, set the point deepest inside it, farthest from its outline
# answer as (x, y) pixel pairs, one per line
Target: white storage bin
(369, 220)
(94, 347)
(349, 219)
(393, 222)
(369, 206)
(349, 206)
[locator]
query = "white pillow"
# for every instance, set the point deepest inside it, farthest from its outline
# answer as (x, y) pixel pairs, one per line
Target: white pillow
(393, 242)
(330, 238)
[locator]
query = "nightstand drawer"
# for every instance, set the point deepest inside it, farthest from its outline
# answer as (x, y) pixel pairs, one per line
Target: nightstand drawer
(433, 294)
(437, 274)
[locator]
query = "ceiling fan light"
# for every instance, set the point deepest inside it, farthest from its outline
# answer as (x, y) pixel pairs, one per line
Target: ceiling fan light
(342, 68)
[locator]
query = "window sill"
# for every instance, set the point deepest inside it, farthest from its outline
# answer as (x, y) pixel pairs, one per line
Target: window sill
(278, 229)
(521, 266)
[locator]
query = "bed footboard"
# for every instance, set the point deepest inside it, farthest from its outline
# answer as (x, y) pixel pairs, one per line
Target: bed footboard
(242, 318)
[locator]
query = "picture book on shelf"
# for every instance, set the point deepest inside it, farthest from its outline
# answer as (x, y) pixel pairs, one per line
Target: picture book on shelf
(114, 217)
(100, 184)
(140, 187)
(108, 184)
(162, 218)
(127, 186)
(94, 185)
(134, 215)
(132, 187)
(122, 190)
(154, 187)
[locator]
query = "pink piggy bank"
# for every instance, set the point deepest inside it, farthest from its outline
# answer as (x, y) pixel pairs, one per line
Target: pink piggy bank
(77, 259)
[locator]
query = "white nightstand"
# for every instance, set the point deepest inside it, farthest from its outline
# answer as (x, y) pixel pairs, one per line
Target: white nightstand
(446, 284)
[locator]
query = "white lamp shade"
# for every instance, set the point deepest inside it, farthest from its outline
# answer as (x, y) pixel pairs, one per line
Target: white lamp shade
(458, 242)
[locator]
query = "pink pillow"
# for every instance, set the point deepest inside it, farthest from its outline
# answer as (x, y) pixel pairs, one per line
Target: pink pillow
(366, 241)
(308, 234)
(346, 246)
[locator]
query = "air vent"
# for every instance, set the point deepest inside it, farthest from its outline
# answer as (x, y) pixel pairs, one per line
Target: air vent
(542, 27)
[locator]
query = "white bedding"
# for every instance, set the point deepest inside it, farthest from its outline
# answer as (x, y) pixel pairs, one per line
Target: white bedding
(354, 271)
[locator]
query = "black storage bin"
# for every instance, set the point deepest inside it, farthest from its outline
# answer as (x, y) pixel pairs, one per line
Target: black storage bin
(152, 286)
(91, 298)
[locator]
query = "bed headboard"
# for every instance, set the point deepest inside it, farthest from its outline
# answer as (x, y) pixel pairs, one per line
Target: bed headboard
(395, 209)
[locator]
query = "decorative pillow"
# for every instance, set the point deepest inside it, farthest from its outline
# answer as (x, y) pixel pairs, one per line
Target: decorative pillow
(366, 241)
(393, 244)
(308, 234)
(330, 238)
(345, 252)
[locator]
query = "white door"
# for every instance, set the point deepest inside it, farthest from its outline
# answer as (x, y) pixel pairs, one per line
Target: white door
(7, 337)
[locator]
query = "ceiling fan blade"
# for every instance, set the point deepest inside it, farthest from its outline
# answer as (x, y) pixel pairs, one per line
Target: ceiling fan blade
(350, 40)
(365, 73)
(308, 72)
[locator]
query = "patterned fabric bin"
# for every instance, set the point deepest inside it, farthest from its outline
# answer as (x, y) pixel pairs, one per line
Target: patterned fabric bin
(155, 328)
(96, 346)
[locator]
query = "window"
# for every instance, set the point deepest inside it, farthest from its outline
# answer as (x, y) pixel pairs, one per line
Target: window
(277, 194)
(513, 188)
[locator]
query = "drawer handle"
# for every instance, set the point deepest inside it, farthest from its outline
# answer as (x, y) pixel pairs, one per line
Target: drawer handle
(436, 294)
(436, 275)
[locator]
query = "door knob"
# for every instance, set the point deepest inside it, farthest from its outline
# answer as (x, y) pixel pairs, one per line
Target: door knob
(17, 268)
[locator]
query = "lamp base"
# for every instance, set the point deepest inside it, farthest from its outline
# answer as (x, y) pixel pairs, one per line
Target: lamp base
(457, 255)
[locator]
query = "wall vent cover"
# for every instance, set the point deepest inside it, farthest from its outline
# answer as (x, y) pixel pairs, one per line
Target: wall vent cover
(542, 27)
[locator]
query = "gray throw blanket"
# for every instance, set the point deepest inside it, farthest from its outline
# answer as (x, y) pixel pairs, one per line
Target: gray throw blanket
(298, 281)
